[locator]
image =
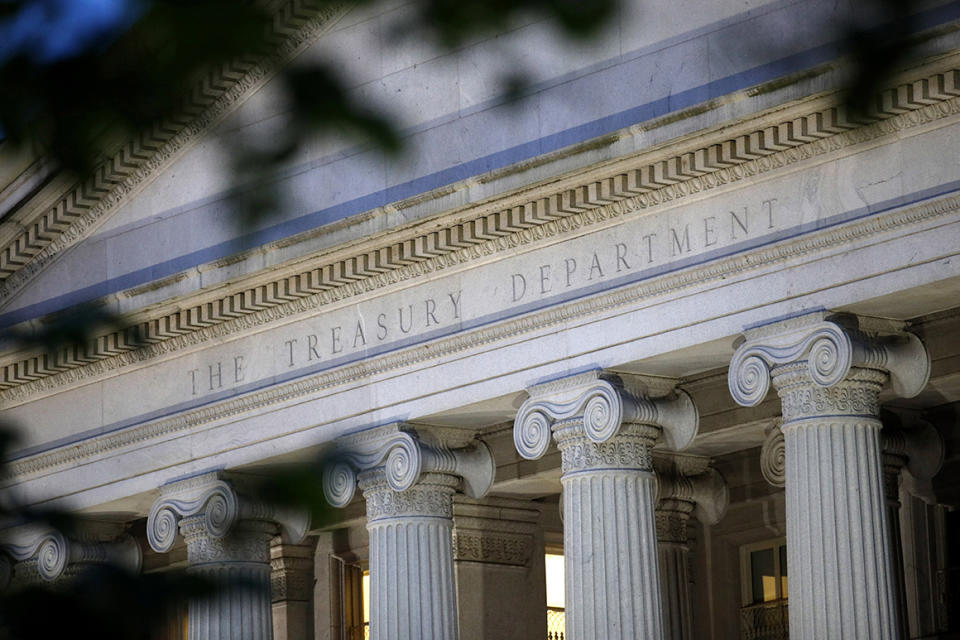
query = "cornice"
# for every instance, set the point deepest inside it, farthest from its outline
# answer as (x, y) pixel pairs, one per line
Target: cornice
(624, 192)
(78, 211)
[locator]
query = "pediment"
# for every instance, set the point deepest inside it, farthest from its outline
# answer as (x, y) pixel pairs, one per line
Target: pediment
(46, 224)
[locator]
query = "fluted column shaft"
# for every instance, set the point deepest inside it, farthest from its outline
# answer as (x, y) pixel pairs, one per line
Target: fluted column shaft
(238, 565)
(838, 541)
(610, 540)
(412, 592)
(671, 519)
(686, 486)
(408, 476)
(892, 464)
(828, 370)
(605, 431)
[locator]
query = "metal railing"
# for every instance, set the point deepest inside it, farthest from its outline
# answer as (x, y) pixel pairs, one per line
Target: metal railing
(765, 621)
(556, 623)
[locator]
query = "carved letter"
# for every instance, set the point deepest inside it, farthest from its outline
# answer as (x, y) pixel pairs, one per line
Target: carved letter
(382, 327)
(649, 238)
(678, 246)
(571, 266)
(409, 326)
(735, 222)
(218, 376)
(595, 265)
(290, 344)
(709, 231)
(312, 347)
(358, 335)
(523, 283)
(193, 380)
(238, 371)
(769, 205)
(335, 344)
(544, 278)
(456, 304)
(622, 256)
(431, 307)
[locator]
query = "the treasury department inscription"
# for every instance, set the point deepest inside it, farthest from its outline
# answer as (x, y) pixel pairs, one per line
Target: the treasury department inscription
(495, 289)
(441, 304)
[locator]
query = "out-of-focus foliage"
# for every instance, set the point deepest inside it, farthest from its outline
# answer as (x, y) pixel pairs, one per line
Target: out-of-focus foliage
(102, 602)
(877, 41)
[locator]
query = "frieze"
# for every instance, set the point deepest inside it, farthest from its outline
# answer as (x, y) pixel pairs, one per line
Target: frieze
(620, 195)
(290, 583)
(492, 547)
(672, 525)
(249, 541)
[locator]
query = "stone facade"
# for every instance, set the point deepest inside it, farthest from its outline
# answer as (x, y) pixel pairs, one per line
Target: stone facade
(679, 317)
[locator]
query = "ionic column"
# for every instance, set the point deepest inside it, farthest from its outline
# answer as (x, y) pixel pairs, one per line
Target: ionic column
(291, 587)
(408, 477)
(829, 374)
(228, 538)
(687, 485)
(606, 434)
(919, 451)
(39, 553)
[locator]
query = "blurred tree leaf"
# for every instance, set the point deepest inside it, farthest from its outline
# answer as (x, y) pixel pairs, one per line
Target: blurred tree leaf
(102, 602)
(74, 327)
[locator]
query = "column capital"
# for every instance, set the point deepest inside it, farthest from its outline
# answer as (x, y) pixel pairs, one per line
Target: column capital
(916, 446)
(773, 455)
(40, 551)
(602, 403)
(211, 502)
(823, 348)
(691, 479)
(404, 453)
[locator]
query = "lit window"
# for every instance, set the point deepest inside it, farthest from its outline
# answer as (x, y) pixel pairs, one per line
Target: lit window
(764, 569)
(763, 581)
(556, 619)
(365, 588)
